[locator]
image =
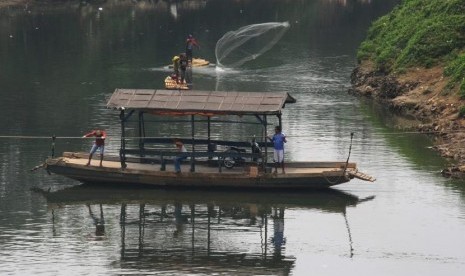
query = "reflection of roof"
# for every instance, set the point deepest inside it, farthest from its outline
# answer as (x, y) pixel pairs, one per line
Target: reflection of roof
(199, 260)
(172, 102)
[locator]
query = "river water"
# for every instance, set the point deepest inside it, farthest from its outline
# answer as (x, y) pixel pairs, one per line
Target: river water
(58, 66)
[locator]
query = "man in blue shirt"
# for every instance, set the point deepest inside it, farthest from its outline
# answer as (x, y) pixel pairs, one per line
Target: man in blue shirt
(278, 140)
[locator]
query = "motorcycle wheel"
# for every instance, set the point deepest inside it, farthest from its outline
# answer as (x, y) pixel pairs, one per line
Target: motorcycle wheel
(229, 161)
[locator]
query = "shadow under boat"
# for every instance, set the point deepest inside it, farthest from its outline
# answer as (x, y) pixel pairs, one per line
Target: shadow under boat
(329, 200)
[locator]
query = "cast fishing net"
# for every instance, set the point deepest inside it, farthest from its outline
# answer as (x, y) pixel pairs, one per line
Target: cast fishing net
(247, 43)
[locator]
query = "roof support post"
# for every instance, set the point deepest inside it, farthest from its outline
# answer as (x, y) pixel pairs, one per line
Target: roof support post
(260, 119)
(280, 121)
(141, 133)
(122, 153)
(125, 118)
(193, 144)
(208, 137)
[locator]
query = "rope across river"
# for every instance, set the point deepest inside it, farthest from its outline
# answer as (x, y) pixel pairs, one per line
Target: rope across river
(399, 133)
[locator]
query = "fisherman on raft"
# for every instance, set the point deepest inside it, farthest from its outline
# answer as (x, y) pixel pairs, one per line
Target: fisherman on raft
(190, 43)
(175, 75)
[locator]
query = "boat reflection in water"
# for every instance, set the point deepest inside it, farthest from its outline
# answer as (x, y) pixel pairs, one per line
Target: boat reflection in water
(197, 230)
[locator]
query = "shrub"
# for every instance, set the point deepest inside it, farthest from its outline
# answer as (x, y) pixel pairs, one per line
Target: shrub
(462, 111)
(456, 70)
(420, 33)
(417, 32)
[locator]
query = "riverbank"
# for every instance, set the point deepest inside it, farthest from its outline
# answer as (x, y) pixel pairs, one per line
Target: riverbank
(420, 94)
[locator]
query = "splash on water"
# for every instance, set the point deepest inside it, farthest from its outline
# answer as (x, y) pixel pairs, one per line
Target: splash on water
(247, 43)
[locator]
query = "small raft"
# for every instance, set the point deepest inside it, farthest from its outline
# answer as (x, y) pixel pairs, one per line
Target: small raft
(171, 84)
(197, 62)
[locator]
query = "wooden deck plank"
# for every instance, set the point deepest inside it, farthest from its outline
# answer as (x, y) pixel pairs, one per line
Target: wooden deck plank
(185, 167)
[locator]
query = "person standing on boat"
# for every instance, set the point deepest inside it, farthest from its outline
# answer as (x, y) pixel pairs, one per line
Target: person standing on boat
(178, 159)
(190, 43)
(99, 144)
(176, 67)
(183, 62)
(278, 139)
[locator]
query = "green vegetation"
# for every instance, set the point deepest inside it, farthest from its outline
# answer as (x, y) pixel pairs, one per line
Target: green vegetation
(420, 33)
(462, 111)
(456, 70)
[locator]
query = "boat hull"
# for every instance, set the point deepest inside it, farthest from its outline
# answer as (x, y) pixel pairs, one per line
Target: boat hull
(146, 174)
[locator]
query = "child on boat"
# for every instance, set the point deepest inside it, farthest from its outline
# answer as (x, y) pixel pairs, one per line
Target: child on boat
(178, 159)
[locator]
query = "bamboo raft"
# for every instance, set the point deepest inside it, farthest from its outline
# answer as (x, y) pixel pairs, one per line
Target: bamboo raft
(200, 62)
(171, 84)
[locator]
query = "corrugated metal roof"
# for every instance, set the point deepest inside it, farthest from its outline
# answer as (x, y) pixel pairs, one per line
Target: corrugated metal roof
(200, 102)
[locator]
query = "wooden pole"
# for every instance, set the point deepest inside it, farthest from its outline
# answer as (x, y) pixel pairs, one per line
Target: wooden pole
(122, 150)
(53, 145)
(193, 144)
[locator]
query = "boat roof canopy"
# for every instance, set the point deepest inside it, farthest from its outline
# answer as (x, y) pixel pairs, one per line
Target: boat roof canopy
(193, 102)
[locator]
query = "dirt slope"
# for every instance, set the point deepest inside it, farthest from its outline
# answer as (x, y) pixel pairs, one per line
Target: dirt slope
(420, 93)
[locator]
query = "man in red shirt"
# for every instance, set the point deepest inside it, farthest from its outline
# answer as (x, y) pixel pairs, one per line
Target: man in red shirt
(99, 143)
(190, 43)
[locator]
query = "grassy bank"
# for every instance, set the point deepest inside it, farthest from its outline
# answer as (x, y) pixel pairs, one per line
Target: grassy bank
(420, 33)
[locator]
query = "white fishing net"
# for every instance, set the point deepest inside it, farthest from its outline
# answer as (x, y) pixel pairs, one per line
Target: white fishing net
(247, 43)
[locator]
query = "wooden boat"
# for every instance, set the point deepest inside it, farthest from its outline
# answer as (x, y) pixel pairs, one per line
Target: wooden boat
(146, 165)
